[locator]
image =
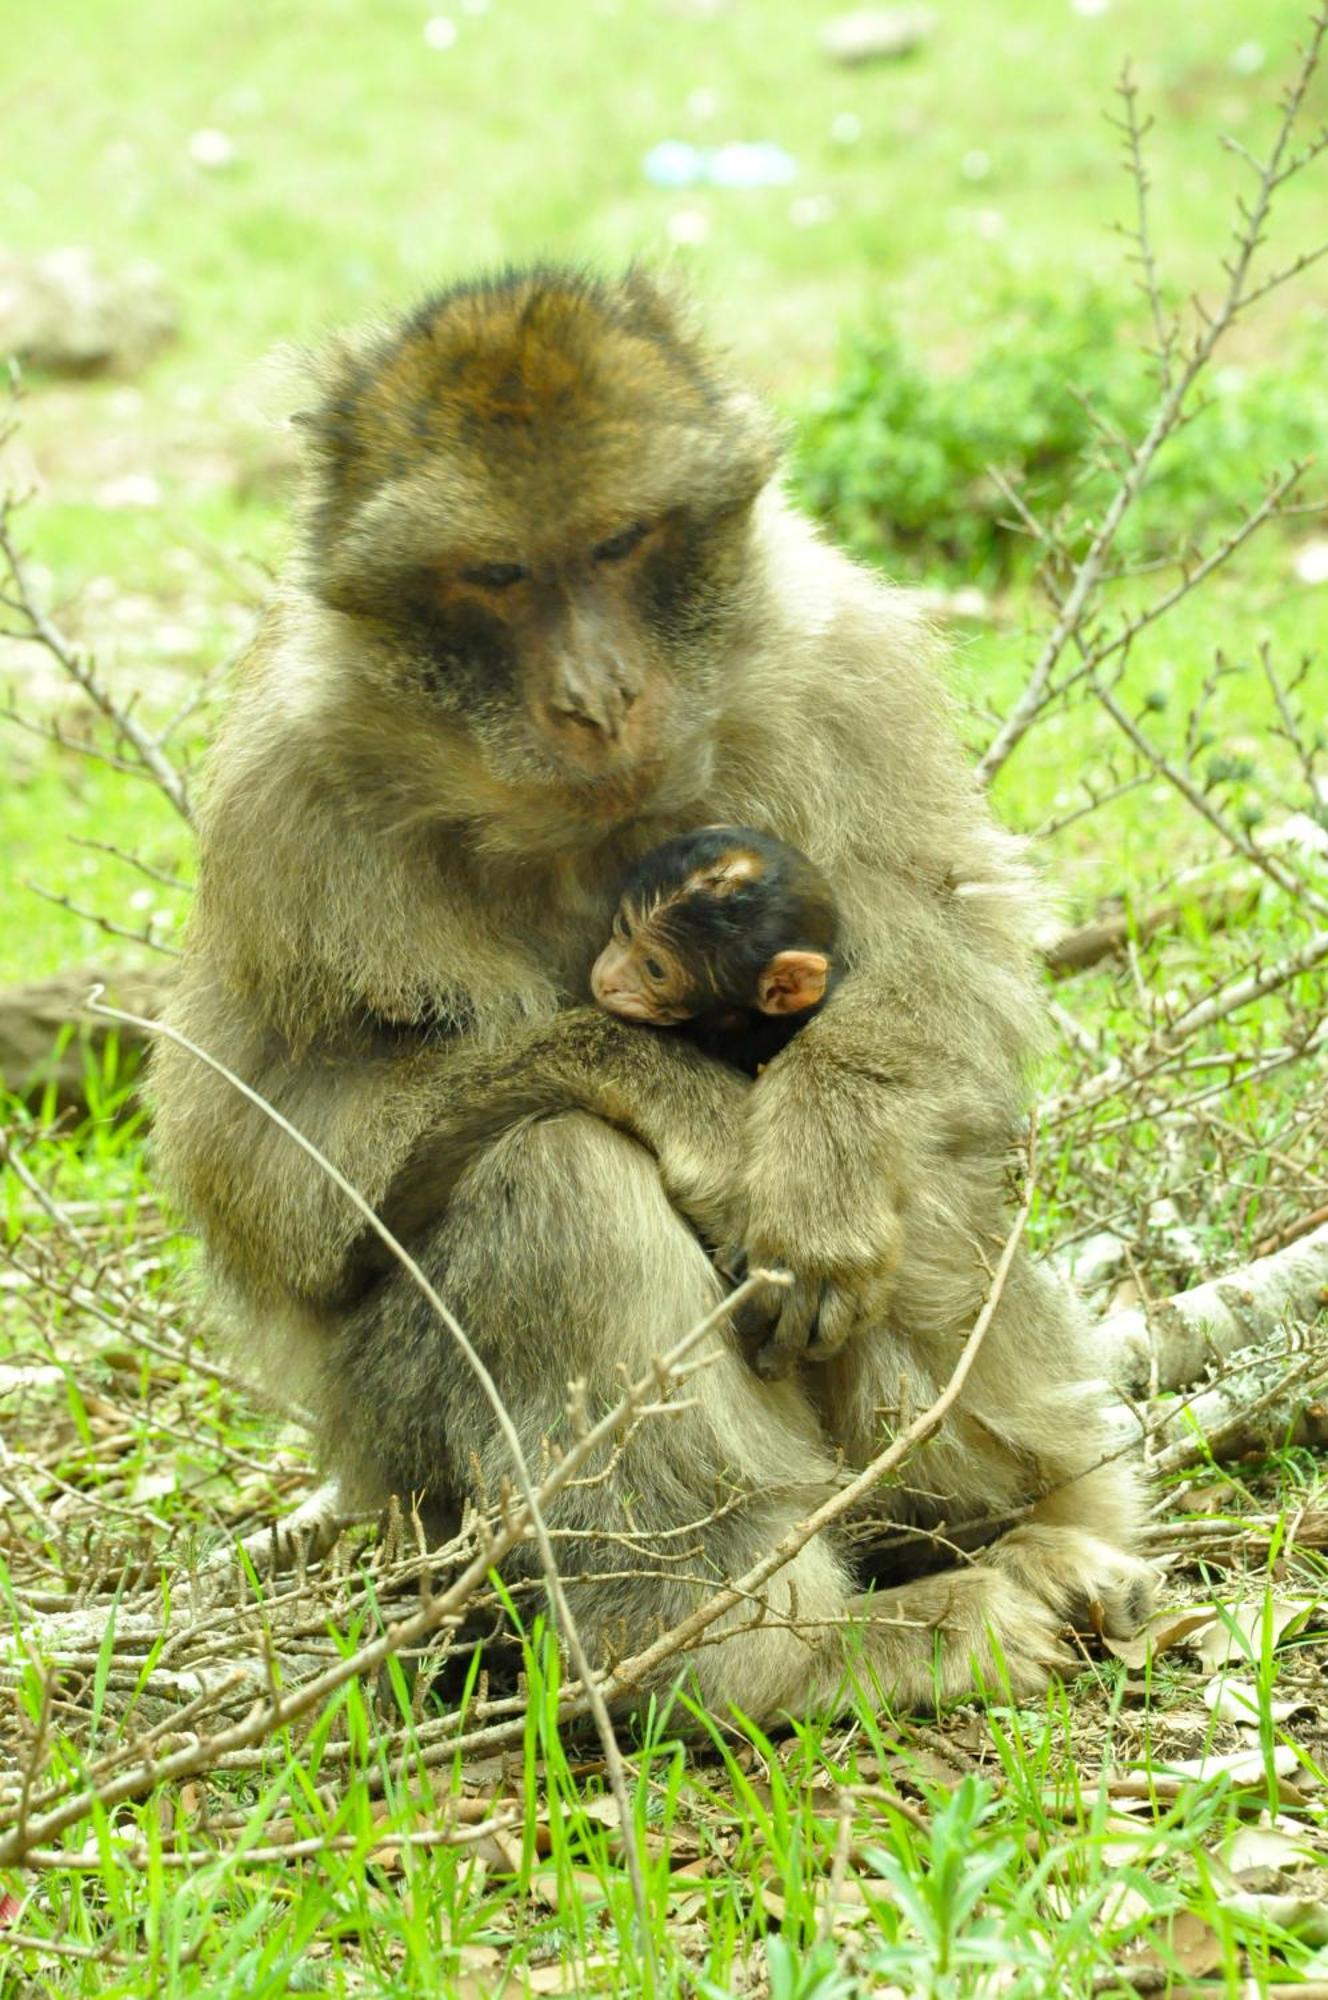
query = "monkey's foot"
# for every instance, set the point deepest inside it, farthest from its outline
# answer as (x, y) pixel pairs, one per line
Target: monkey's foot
(1089, 1583)
(945, 1636)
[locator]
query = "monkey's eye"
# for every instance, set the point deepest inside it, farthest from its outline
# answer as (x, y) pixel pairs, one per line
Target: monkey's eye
(622, 928)
(654, 968)
(620, 546)
(495, 576)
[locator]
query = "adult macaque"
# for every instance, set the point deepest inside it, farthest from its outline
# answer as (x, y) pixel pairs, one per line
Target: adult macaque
(727, 933)
(549, 609)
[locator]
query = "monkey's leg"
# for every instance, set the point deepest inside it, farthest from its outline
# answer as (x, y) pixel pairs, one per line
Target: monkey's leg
(563, 1259)
(1033, 1429)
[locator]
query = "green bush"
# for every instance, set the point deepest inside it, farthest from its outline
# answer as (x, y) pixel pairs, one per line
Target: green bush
(897, 459)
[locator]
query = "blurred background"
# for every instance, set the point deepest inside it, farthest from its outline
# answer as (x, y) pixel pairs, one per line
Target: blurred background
(902, 222)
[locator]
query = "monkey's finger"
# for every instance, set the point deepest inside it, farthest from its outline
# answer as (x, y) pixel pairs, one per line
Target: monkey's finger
(731, 1262)
(839, 1317)
(797, 1323)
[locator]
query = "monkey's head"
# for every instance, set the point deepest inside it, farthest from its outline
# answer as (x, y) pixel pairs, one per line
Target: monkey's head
(725, 917)
(537, 491)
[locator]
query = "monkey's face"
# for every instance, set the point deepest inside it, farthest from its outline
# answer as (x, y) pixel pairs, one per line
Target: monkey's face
(551, 656)
(539, 492)
(713, 920)
(641, 978)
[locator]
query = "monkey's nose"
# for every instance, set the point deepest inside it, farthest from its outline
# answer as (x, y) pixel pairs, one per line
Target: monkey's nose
(602, 712)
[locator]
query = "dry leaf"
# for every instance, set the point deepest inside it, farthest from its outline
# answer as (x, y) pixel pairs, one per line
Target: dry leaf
(1160, 1634)
(1243, 1767)
(1237, 1633)
(554, 1890)
(1238, 1701)
(1304, 1916)
(1251, 1847)
(1184, 1941)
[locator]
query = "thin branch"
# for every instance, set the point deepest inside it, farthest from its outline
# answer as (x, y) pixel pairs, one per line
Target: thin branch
(78, 666)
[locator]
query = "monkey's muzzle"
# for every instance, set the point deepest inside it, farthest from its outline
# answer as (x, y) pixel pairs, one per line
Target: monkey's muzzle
(616, 986)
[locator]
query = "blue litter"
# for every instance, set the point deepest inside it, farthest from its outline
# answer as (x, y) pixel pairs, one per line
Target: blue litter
(675, 163)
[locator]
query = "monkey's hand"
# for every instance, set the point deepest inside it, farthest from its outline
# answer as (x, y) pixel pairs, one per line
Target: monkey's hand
(822, 1200)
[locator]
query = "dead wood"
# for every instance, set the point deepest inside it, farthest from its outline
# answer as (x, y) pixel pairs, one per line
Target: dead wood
(48, 1039)
(1172, 1343)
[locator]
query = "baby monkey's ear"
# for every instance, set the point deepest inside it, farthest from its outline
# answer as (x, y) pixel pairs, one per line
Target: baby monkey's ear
(792, 982)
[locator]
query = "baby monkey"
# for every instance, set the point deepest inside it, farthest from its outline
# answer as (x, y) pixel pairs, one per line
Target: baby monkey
(726, 933)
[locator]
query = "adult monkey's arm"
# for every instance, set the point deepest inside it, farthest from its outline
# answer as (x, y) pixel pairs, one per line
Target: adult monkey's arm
(888, 1115)
(402, 1116)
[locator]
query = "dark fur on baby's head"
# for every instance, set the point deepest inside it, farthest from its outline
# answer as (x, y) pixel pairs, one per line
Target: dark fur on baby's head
(728, 931)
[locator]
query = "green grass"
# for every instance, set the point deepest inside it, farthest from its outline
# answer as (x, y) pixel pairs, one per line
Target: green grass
(851, 1857)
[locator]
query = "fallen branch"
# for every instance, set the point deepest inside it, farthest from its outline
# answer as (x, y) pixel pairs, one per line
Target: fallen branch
(1172, 1343)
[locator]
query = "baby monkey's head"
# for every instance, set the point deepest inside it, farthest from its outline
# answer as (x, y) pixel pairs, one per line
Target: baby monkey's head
(723, 918)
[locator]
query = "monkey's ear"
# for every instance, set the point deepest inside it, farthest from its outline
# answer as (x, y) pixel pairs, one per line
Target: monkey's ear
(792, 982)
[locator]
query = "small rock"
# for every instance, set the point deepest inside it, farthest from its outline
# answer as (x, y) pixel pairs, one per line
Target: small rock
(810, 210)
(440, 33)
(688, 227)
(846, 128)
(1248, 59)
(877, 34)
(131, 489)
(212, 149)
(1093, 1260)
(64, 312)
(1311, 562)
(673, 163)
(741, 164)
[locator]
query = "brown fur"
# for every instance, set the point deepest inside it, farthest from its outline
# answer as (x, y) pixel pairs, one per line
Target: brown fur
(420, 805)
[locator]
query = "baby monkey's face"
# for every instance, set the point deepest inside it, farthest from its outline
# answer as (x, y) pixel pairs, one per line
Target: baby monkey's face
(707, 922)
(640, 975)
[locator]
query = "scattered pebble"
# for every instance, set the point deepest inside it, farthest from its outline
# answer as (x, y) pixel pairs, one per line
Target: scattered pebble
(676, 163)
(703, 104)
(877, 34)
(1311, 562)
(673, 163)
(1248, 59)
(976, 166)
(988, 223)
(211, 149)
(744, 165)
(67, 312)
(688, 227)
(439, 32)
(810, 210)
(1090, 9)
(846, 128)
(132, 489)
(1094, 1260)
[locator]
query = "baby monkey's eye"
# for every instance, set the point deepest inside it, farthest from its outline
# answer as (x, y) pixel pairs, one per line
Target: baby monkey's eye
(622, 929)
(619, 546)
(495, 576)
(654, 968)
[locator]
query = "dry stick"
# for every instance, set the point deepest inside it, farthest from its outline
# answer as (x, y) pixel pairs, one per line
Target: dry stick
(286, 1706)
(628, 1672)
(44, 632)
(105, 924)
(548, 1562)
(463, 1833)
(1292, 884)
(1088, 573)
(1165, 1044)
